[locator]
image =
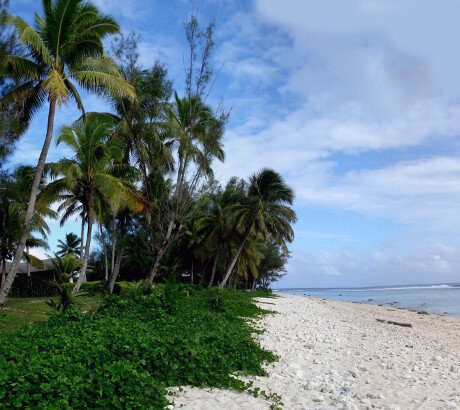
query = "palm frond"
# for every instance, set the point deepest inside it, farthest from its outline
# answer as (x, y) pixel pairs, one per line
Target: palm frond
(28, 36)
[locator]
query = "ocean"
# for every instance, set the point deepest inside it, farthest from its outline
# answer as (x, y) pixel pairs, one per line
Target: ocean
(443, 299)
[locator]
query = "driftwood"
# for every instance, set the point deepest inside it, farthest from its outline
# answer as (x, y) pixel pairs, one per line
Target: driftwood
(394, 323)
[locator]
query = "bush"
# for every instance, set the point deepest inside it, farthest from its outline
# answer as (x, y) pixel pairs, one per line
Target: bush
(94, 288)
(218, 299)
(31, 287)
(127, 352)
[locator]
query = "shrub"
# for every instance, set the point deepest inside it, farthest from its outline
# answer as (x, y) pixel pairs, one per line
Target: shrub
(127, 352)
(66, 299)
(218, 299)
(31, 287)
(94, 288)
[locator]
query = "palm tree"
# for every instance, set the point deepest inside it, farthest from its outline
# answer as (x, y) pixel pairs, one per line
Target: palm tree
(262, 211)
(135, 122)
(13, 197)
(64, 45)
(249, 260)
(196, 133)
(71, 245)
(214, 225)
(92, 169)
(64, 267)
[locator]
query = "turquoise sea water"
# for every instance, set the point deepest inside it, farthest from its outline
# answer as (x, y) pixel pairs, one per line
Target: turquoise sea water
(443, 299)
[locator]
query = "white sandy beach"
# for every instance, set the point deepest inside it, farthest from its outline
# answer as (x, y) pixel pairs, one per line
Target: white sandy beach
(336, 354)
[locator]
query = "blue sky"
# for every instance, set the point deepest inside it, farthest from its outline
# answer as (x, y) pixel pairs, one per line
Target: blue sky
(355, 102)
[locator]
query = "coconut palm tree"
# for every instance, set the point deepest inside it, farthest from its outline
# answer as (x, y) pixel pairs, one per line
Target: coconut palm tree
(64, 267)
(135, 122)
(64, 45)
(13, 199)
(196, 133)
(70, 245)
(92, 169)
(249, 261)
(264, 210)
(213, 225)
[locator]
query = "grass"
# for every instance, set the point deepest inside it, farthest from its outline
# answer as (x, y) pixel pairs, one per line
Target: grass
(20, 312)
(125, 353)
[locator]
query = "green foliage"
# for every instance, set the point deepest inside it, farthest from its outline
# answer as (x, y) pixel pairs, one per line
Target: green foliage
(66, 299)
(63, 47)
(70, 245)
(14, 187)
(138, 289)
(94, 288)
(33, 286)
(64, 267)
(127, 352)
(21, 312)
(218, 299)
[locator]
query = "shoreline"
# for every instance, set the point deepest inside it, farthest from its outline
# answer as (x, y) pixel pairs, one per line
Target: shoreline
(425, 308)
(390, 306)
(336, 354)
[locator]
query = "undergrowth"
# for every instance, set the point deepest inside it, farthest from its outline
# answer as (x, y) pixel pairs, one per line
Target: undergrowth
(126, 352)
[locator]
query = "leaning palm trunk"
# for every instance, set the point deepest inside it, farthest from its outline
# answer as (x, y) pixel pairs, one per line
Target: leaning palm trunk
(104, 246)
(82, 241)
(30, 208)
(114, 242)
(214, 266)
(116, 269)
(156, 263)
(235, 280)
(3, 270)
(84, 265)
(27, 262)
(235, 259)
(170, 238)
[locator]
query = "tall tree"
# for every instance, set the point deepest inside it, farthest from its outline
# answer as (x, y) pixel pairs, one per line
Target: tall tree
(135, 123)
(13, 199)
(273, 265)
(264, 210)
(196, 132)
(64, 45)
(10, 126)
(71, 244)
(214, 225)
(94, 168)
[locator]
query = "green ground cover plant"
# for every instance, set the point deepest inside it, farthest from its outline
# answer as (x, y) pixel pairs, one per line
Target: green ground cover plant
(19, 312)
(125, 353)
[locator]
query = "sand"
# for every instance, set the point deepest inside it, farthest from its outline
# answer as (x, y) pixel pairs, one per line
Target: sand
(336, 354)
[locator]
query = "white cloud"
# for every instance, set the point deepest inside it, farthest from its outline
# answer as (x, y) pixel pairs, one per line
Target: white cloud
(421, 191)
(436, 262)
(422, 28)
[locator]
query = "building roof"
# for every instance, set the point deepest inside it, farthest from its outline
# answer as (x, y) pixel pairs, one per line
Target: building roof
(47, 266)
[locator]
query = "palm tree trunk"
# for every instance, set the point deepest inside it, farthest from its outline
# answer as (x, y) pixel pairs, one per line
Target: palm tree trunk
(153, 270)
(191, 275)
(254, 284)
(5, 289)
(235, 259)
(82, 240)
(116, 269)
(235, 280)
(214, 266)
(202, 276)
(106, 262)
(3, 270)
(114, 242)
(82, 277)
(27, 262)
